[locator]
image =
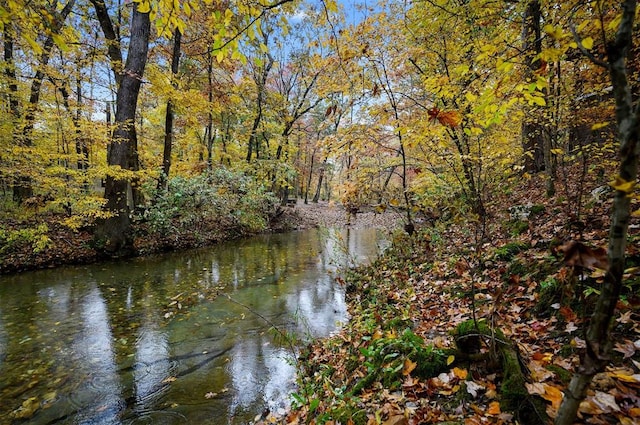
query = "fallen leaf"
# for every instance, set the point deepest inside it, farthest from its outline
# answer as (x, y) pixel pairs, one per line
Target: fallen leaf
(571, 327)
(627, 348)
(552, 394)
(408, 367)
(459, 373)
(473, 388)
(546, 391)
(606, 402)
(625, 377)
(396, 420)
(494, 408)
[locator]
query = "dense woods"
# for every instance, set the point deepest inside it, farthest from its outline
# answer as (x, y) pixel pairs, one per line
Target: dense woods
(143, 125)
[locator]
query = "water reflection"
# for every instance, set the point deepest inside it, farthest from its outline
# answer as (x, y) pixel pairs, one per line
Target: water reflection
(180, 338)
(100, 395)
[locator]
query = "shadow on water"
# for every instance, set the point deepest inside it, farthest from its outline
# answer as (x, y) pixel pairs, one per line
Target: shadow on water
(157, 340)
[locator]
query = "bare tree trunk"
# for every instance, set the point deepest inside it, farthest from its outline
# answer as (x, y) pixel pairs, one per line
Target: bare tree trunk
(169, 116)
(306, 189)
(532, 130)
(10, 72)
(82, 146)
(598, 339)
(316, 197)
(209, 139)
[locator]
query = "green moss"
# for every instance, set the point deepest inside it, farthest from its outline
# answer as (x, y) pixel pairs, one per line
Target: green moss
(517, 268)
(385, 359)
(514, 396)
(510, 250)
(563, 374)
(566, 351)
(512, 389)
(350, 413)
(550, 293)
(537, 209)
(517, 227)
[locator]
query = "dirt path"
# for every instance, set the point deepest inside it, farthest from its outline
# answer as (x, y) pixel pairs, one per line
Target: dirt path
(327, 214)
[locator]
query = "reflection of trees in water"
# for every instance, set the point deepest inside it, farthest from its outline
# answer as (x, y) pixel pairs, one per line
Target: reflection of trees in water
(260, 374)
(98, 335)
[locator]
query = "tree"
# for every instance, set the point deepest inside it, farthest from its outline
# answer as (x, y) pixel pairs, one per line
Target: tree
(598, 342)
(261, 70)
(169, 116)
(22, 187)
(295, 83)
(533, 133)
(114, 233)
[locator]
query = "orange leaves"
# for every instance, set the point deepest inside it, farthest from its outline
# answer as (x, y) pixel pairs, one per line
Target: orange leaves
(459, 373)
(447, 118)
(408, 367)
(494, 408)
(331, 110)
(547, 392)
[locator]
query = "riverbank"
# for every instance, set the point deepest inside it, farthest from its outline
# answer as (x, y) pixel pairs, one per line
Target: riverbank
(445, 329)
(330, 214)
(43, 242)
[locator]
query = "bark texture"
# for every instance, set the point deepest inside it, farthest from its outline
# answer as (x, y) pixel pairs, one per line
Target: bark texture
(114, 234)
(598, 336)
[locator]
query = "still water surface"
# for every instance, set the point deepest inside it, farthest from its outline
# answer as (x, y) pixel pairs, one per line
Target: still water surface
(171, 339)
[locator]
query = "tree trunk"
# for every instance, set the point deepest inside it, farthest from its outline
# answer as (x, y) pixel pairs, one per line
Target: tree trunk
(209, 131)
(261, 81)
(316, 197)
(598, 338)
(169, 116)
(10, 74)
(114, 234)
(532, 130)
(82, 146)
(306, 189)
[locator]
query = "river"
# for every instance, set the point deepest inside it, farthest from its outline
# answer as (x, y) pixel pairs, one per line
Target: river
(178, 338)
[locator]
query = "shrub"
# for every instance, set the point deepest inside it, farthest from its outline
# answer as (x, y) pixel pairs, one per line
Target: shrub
(222, 199)
(35, 237)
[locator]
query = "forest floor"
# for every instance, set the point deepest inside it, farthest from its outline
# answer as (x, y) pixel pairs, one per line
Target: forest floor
(329, 214)
(400, 359)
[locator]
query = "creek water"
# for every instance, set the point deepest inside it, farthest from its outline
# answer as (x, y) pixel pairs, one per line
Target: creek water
(178, 338)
